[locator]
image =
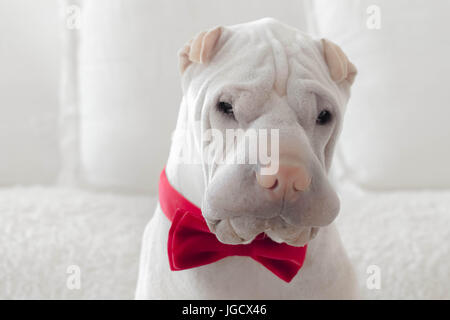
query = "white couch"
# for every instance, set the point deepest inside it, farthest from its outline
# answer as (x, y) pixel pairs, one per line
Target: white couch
(82, 193)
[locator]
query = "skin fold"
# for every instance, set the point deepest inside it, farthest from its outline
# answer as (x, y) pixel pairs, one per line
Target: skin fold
(274, 77)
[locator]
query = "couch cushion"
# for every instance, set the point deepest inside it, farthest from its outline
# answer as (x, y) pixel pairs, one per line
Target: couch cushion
(29, 92)
(397, 131)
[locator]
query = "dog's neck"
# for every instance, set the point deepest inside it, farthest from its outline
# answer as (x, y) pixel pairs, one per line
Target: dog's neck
(187, 180)
(186, 176)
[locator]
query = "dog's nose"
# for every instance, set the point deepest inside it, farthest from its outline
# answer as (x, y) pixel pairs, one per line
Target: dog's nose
(287, 183)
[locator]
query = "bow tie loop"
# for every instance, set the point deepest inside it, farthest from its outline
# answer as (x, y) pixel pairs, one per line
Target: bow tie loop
(191, 244)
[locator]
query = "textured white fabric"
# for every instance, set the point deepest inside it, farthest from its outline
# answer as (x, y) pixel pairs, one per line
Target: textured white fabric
(43, 231)
(404, 233)
(396, 132)
(130, 87)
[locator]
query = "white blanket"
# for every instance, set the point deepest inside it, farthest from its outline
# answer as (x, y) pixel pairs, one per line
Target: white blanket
(406, 234)
(44, 230)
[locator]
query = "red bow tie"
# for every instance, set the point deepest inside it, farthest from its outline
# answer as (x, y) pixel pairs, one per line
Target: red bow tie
(191, 244)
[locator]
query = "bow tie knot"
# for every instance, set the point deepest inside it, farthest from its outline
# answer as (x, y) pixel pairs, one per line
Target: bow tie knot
(191, 244)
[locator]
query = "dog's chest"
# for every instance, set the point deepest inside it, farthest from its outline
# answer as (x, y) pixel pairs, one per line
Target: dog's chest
(325, 274)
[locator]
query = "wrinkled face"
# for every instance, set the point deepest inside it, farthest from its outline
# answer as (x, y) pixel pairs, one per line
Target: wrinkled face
(269, 78)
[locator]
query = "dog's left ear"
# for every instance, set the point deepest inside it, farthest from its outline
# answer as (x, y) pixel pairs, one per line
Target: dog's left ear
(341, 69)
(200, 49)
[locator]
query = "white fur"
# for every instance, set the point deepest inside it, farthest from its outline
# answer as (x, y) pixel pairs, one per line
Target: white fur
(326, 273)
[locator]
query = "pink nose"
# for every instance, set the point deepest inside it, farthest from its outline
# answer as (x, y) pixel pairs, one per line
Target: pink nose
(287, 183)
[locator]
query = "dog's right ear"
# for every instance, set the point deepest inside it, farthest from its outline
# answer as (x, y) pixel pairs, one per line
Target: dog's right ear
(200, 49)
(341, 69)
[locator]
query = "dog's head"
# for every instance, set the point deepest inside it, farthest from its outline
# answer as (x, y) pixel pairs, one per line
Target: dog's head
(254, 78)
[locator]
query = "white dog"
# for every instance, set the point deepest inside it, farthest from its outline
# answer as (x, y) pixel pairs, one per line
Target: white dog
(252, 76)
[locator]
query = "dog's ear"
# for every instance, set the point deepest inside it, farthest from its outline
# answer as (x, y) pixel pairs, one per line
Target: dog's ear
(200, 49)
(341, 69)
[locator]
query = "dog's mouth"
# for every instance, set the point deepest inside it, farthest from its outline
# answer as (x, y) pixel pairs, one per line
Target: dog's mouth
(243, 230)
(301, 238)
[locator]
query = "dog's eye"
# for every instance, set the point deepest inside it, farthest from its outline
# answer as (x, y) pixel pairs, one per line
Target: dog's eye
(323, 118)
(225, 107)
